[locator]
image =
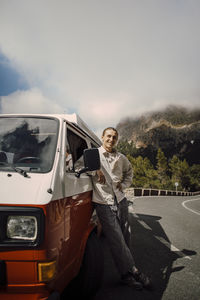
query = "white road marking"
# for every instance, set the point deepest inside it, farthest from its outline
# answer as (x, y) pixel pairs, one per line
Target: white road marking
(192, 210)
(172, 247)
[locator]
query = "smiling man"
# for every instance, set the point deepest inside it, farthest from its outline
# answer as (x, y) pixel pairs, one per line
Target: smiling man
(112, 207)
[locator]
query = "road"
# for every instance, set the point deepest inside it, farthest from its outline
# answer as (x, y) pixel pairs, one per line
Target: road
(166, 246)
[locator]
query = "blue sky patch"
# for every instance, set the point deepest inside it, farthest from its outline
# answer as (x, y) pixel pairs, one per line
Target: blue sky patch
(10, 79)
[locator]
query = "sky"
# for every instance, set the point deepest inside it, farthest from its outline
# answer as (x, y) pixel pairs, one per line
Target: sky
(102, 59)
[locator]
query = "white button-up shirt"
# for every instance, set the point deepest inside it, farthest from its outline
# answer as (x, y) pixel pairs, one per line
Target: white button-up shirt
(116, 169)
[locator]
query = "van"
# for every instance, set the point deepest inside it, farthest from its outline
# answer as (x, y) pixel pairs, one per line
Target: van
(47, 225)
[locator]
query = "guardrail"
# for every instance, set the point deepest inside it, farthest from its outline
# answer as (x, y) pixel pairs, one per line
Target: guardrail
(154, 192)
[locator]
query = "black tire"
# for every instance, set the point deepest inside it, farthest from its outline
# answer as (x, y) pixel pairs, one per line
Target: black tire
(91, 271)
(89, 279)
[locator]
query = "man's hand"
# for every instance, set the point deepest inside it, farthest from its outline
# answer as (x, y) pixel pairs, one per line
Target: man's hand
(101, 177)
(119, 186)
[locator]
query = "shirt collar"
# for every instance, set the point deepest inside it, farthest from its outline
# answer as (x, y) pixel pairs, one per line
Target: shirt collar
(103, 151)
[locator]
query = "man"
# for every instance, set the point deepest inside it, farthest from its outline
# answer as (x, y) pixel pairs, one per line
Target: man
(112, 207)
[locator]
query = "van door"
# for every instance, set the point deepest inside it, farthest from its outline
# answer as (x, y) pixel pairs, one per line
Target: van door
(78, 192)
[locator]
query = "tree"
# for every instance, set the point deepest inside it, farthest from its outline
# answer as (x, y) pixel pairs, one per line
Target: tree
(180, 172)
(185, 175)
(144, 173)
(138, 171)
(195, 177)
(162, 169)
(174, 165)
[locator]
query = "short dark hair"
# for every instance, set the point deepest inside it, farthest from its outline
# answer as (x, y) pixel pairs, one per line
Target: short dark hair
(109, 128)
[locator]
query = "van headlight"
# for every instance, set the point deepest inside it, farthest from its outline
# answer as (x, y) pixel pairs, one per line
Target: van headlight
(22, 227)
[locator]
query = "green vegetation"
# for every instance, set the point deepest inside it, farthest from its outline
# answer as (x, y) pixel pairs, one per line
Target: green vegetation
(155, 170)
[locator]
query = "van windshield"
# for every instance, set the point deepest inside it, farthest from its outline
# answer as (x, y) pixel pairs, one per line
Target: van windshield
(28, 143)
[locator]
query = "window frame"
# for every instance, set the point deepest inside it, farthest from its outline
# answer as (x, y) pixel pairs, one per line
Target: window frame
(79, 134)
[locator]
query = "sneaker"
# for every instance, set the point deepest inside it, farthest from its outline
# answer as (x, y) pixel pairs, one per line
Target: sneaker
(143, 279)
(131, 281)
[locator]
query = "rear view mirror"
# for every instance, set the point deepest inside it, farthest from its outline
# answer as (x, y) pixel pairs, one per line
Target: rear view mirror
(91, 161)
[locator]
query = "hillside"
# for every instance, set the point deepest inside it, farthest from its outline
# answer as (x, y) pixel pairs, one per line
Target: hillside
(176, 130)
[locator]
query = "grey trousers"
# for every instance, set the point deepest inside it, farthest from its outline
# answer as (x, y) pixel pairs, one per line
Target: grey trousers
(114, 222)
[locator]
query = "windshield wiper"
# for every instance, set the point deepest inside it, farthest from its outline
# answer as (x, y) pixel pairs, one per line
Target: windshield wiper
(20, 171)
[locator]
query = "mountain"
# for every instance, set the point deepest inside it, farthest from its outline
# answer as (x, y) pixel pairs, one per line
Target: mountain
(176, 130)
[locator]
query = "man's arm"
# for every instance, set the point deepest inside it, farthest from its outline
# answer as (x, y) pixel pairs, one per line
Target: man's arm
(127, 174)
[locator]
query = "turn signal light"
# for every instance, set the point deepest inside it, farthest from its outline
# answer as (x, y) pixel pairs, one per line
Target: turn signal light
(46, 271)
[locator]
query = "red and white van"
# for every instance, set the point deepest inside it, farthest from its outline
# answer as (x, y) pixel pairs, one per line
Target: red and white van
(45, 206)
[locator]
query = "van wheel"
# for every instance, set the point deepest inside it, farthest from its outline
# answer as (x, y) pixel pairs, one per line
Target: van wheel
(89, 279)
(91, 271)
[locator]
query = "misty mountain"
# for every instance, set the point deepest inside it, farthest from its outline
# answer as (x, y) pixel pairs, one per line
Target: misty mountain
(176, 130)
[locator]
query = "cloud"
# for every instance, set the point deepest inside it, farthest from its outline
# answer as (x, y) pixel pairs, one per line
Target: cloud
(30, 101)
(104, 60)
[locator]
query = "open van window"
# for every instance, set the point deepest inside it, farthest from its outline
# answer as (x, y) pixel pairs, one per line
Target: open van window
(76, 146)
(29, 143)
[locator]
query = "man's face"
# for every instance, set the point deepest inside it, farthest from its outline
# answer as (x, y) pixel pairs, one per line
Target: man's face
(109, 139)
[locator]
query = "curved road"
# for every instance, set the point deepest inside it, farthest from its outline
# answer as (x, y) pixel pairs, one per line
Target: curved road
(166, 245)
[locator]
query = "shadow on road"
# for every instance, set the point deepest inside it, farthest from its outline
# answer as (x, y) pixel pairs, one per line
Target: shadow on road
(151, 250)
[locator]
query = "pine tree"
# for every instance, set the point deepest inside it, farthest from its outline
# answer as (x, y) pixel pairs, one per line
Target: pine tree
(180, 173)
(174, 165)
(195, 177)
(162, 169)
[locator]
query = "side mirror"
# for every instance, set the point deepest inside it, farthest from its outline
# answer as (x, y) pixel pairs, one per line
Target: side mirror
(91, 161)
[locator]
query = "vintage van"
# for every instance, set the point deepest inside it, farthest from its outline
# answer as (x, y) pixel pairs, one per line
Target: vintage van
(47, 230)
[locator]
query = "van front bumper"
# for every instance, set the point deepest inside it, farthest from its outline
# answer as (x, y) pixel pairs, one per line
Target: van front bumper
(27, 292)
(38, 296)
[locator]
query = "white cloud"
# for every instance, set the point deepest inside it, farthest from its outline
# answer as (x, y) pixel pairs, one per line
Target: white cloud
(31, 101)
(104, 59)
(101, 110)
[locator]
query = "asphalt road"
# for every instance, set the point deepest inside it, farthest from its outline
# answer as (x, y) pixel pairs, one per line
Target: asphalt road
(165, 233)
